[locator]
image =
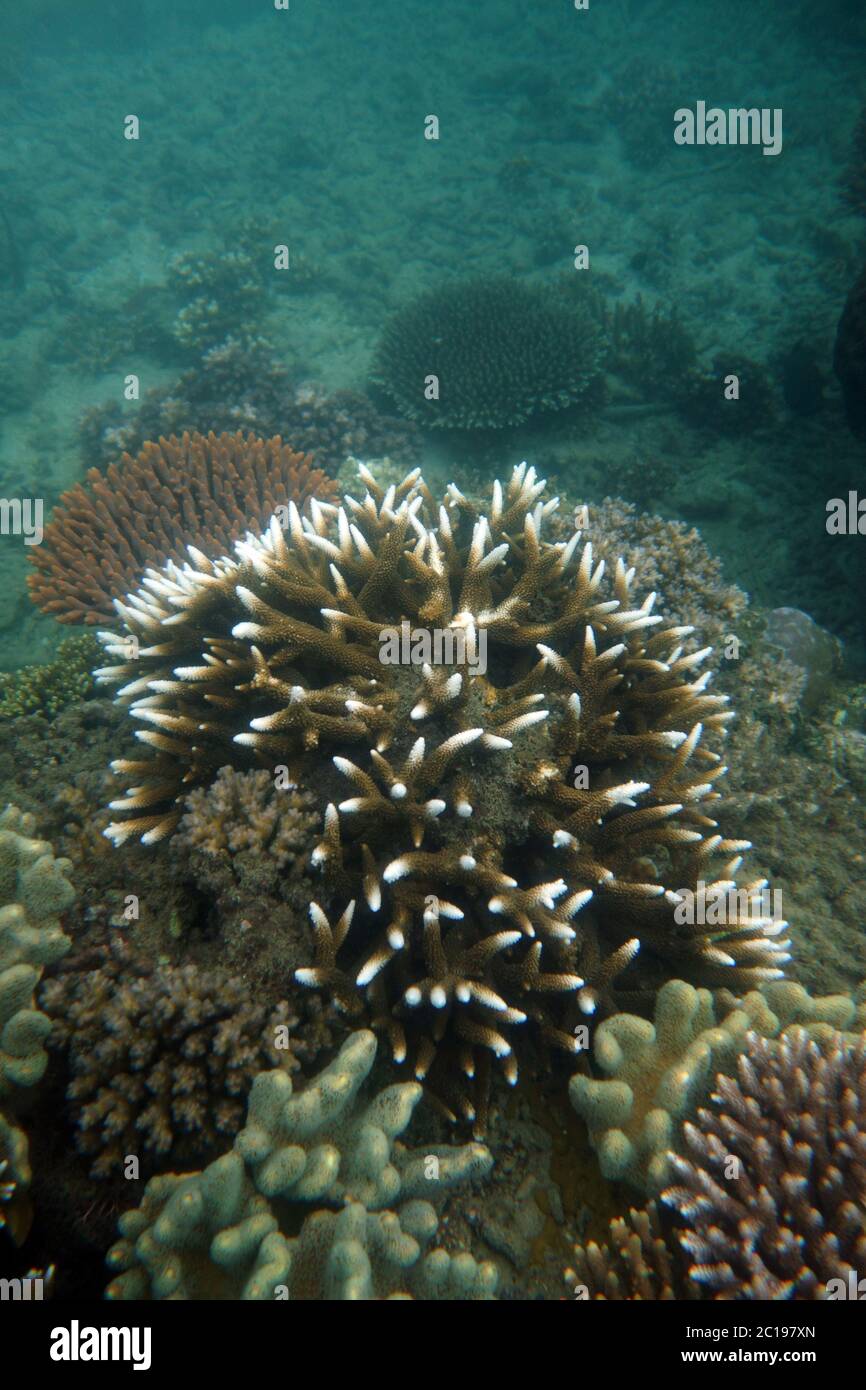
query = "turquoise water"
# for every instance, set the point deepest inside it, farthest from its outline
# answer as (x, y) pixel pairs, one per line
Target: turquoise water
(288, 220)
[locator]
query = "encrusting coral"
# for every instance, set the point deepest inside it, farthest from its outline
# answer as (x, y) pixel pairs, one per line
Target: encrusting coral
(773, 1197)
(106, 532)
(496, 350)
(517, 828)
(217, 1234)
(161, 1057)
(655, 1073)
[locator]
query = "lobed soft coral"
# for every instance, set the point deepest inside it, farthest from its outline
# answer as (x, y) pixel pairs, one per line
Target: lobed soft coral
(229, 1232)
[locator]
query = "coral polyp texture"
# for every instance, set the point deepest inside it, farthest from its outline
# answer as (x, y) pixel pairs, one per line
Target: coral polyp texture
(774, 1194)
(106, 532)
(505, 831)
(487, 353)
(161, 1057)
(217, 1234)
(243, 812)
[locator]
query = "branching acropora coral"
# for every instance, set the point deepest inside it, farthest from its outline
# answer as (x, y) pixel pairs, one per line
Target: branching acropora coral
(516, 830)
(637, 1262)
(217, 1234)
(774, 1195)
(244, 812)
(161, 1057)
(105, 532)
(49, 688)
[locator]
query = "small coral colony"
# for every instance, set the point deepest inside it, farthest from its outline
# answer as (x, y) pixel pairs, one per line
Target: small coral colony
(475, 869)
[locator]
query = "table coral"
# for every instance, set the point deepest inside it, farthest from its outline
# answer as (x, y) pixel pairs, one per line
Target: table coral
(498, 350)
(513, 837)
(217, 1234)
(106, 532)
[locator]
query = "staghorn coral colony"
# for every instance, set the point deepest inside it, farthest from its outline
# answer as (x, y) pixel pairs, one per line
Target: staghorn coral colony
(579, 744)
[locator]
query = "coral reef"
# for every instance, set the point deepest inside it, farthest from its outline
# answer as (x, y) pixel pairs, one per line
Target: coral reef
(516, 830)
(636, 1264)
(243, 812)
(849, 357)
(639, 105)
(105, 533)
(669, 558)
(33, 894)
(815, 653)
(50, 688)
(774, 1193)
(655, 1073)
(222, 292)
(240, 385)
(217, 1234)
(16, 1212)
(650, 349)
(500, 352)
(161, 1057)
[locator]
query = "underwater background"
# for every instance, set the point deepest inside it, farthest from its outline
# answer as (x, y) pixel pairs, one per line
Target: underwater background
(261, 222)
